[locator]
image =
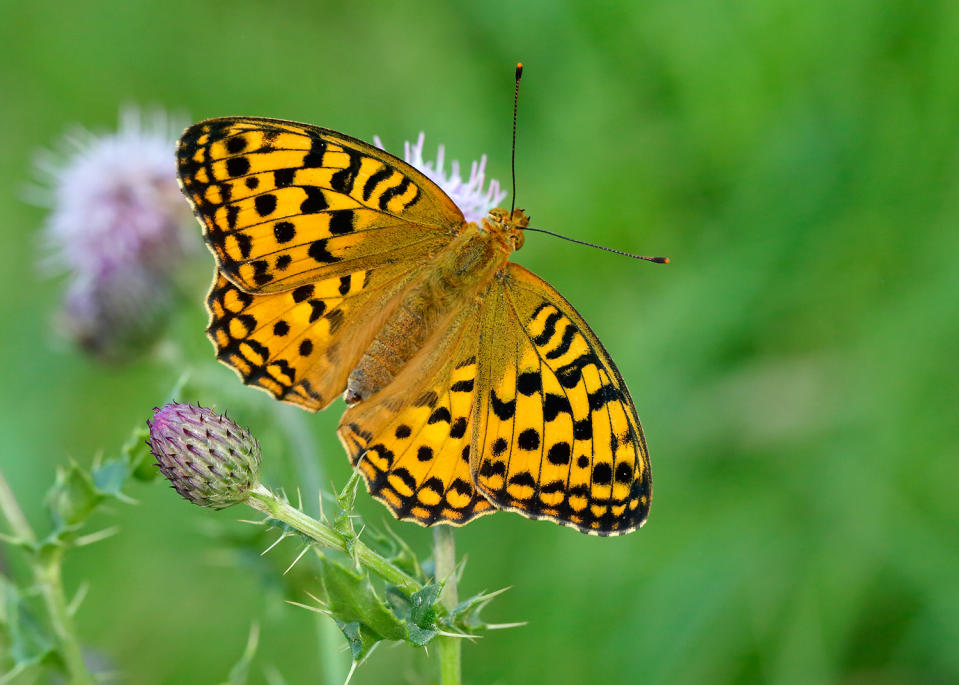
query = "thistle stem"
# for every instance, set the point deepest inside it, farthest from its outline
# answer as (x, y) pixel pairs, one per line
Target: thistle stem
(265, 501)
(444, 560)
(49, 580)
(46, 564)
(14, 515)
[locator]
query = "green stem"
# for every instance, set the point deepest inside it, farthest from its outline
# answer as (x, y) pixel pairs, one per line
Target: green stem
(50, 582)
(46, 566)
(444, 560)
(14, 515)
(263, 500)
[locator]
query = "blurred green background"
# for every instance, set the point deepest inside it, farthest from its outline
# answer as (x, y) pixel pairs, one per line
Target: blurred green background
(795, 366)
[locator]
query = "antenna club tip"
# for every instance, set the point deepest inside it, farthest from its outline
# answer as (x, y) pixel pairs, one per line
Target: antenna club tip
(662, 260)
(519, 70)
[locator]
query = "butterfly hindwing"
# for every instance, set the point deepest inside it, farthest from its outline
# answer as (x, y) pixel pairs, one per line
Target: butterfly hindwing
(558, 436)
(412, 440)
(284, 204)
(300, 345)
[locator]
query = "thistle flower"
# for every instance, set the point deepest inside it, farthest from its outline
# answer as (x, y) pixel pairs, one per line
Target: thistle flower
(209, 460)
(111, 313)
(470, 196)
(115, 225)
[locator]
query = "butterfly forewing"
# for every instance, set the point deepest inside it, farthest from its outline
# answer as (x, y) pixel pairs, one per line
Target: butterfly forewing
(284, 204)
(557, 436)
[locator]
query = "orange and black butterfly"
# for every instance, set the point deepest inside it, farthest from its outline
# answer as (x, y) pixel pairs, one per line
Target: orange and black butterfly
(471, 384)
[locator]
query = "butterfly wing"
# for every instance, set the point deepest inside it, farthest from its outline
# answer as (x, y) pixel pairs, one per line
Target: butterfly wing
(315, 234)
(412, 440)
(300, 345)
(557, 435)
(284, 204)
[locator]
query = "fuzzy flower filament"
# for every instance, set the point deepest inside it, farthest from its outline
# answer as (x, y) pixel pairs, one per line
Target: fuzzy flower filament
(473, 196)
(116, 226)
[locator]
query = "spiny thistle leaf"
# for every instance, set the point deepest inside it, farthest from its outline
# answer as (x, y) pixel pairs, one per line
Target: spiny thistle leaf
(26, 644)
(351, 597)
(73, 497)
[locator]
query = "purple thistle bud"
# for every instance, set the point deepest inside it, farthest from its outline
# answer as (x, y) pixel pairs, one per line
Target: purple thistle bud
(470, 196)
(208, 459)
(116, 225)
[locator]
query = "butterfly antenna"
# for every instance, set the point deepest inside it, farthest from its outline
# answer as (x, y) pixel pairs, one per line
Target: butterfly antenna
(655, 260)
(519, 75)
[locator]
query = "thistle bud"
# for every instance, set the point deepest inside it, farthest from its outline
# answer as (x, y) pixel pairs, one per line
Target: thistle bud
(207, 458)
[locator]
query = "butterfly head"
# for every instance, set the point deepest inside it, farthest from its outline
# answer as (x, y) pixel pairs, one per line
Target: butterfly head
(505, 228)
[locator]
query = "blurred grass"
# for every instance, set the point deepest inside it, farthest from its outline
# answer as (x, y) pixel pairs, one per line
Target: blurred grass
(794, 366)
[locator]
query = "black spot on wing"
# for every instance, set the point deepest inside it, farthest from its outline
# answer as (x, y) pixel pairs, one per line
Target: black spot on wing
(341, 221)
(462, 386)
(315, 200)
(554, 405)
(283, 177)
(319, 252)
(458, 429)
(439, 414)
(237, 166)
(528, 439)
(503, 410)
(529, 382)
(314, 158)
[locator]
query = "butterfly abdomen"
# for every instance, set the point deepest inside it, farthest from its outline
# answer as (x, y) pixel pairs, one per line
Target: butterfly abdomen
(454, 278)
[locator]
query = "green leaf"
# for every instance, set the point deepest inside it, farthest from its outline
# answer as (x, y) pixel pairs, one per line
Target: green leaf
(28, 644)
(110, 477)
(352, 599)
(361, 641)
(135, 453)
(241, 670)
(345, 500)
(73, 497)
(465, 617)
(421, 618)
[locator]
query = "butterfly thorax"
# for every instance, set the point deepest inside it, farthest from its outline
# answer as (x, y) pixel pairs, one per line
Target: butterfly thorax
(454, 279)
(506, 229)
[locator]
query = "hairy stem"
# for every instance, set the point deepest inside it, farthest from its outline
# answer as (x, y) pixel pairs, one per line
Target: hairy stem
(263, 500)
(50, 582)
(444, 560)
(46, 564)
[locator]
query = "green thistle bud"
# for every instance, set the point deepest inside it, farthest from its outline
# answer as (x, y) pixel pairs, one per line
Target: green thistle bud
(209, 460)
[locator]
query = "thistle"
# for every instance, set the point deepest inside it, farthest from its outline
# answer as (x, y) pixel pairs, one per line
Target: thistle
(473, 199)
(116, 227)
(209, 460)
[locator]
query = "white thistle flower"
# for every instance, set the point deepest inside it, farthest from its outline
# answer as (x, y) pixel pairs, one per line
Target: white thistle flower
(470, 196)
(114, 198)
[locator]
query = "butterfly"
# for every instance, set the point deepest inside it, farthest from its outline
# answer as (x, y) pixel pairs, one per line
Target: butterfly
(471, 385)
